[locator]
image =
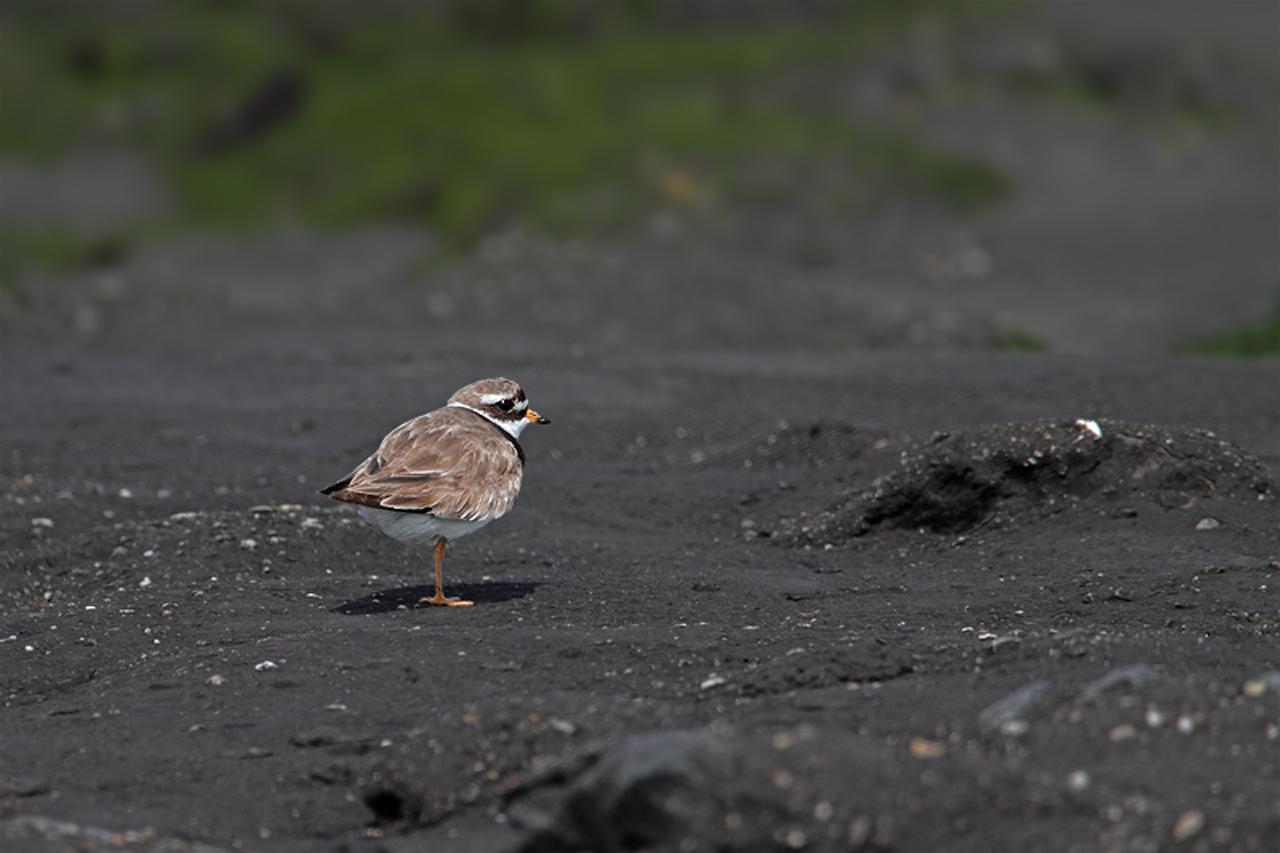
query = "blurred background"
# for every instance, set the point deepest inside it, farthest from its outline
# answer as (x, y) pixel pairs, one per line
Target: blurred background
(1081, 177)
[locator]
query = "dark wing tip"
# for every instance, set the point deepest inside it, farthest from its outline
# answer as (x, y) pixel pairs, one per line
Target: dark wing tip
(341, 484)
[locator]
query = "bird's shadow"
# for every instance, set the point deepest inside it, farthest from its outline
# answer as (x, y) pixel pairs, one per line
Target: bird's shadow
(407, 597)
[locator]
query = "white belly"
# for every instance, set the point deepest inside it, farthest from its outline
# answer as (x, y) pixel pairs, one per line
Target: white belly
(417, 528)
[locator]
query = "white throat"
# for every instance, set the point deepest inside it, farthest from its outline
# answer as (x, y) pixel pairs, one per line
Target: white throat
(511, 428)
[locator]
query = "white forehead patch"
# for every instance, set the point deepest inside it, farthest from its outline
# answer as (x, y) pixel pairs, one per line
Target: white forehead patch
(493, 399)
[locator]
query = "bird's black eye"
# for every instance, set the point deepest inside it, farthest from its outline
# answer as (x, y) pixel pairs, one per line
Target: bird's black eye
(505, 405)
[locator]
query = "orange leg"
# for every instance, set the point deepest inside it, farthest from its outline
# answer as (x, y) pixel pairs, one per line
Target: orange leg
(439, 598)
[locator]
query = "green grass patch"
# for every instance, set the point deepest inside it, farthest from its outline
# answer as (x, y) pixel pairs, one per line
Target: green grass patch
(1258, 340)
(60, 250)
(569, 115)
(1018, 341)
(54, 250)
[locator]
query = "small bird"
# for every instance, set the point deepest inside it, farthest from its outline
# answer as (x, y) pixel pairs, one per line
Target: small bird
(446, 473)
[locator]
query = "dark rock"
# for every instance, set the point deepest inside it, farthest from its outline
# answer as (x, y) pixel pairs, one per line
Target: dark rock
(471, 754)
(725, 790)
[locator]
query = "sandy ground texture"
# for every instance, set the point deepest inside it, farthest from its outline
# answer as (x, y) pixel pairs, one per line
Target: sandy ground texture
(880, 601)
(801, 564)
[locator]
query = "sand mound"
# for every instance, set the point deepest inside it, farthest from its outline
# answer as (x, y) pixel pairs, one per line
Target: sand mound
(1001, 474)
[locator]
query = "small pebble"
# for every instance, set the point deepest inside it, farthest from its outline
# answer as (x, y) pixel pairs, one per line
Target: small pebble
(249, 544)
(42, 522)
(217, 680)
(924, 748)
(563, 726)
(1186, 725)
(1189, 823)
(1078, 781)
(1208, 523)
(1124, 731)
(711, 681)
(1014, 728)
(266, 665)
(1255, 687)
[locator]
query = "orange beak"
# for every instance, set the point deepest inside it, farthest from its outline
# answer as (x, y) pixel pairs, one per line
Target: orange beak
(536, 418)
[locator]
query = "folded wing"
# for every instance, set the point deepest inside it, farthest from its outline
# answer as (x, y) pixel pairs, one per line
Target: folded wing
(451, 463)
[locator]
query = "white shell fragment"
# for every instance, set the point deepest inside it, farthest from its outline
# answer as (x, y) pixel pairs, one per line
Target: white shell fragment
(1090, 426)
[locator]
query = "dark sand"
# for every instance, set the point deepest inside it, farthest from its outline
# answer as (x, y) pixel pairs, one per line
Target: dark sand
(632, 590)
(1026, 637)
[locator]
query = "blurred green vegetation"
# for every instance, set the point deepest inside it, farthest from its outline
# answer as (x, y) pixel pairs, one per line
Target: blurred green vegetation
(1017, 340)
(567, 114)
(1257, 340)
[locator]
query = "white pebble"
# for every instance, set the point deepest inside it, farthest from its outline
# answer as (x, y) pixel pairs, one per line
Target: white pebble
(1124, 731)
(563, 726)
(1090, 426)
(1014, 728)
(265, 665)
